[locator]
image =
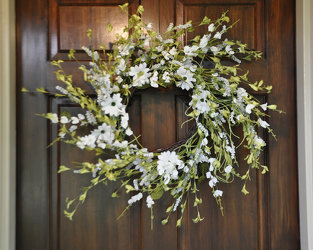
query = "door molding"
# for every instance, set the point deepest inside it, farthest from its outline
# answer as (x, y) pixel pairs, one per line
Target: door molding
(7, 125)
(304, 62)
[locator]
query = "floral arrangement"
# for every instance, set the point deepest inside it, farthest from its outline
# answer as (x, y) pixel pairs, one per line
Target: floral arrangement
(219, 104)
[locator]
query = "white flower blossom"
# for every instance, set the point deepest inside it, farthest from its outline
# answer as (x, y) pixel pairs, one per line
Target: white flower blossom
(262, 123)
(150, 201)
(140, 74)
(128, 132)
(217, 35)
(154, 79)
(187, 78)
(135, 198)
(75, 120)
(264, 106)
(166, 77)
(249, 108)
(190, 51)
(218, 193)
(167, 163)
(124, 120)
(213, 182)
(112, 105)
(64, 120)
(211, 27)
(228, 169)
(54, 118)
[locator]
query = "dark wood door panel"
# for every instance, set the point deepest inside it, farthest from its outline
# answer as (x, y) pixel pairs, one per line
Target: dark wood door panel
(265, 219)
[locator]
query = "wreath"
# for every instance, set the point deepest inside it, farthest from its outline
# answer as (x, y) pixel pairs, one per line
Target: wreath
(208, 68)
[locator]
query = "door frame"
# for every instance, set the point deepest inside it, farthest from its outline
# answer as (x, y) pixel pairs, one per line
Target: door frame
(7, 125)
(304, 67)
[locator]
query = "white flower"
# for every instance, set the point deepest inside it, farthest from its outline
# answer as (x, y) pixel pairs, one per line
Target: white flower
(121, 66)
(159, 48)
(190, 51)
(173, 51)
(211, 27)
(263, 124)
(229, 50)
(135, 198)
(72, 128)
(88, 140)
(264, 106)
(228, 169)
(217, 35)
(104, 133)
(202, 104)
(214, 49)
(124, 120)
(91, 118)
(170, 27)
(213, 182)
(112, 105)
(140, 74)
(218, 193)
(166, 55)
(81, 117)
(183, 26)
(128, 132)
(208, 175)
(64, 120)
(96, 56)
(249, 108)
(166, 77)
(75, 120)
(204, 42)
(54, 118)
(187, 78)
(258, 142)
(154, 79)
(150, 201)
(167, 165)
(124, 49)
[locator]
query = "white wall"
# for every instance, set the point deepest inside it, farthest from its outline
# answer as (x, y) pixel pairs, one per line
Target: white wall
(304, 40)
(7, 125)
(304, 36)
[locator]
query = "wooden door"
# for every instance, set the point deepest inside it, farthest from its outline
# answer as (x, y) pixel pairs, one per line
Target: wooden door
(265, 219)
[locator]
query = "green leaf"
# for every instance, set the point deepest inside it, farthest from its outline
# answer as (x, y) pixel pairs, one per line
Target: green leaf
(129, 188)
(164, 222)
(69, 215)
(205, 20)
(272, 106)
(265, 169)
(178, 223)
(115, 194)
(157, 193)
(109, 27)
(124, 7)
(140, 9)
(254, 87)
(89, 33)
(244, 190)
(170, 208)
(69, 203)
(24, 90)
(71, 54)
(82, 197)
(42, 90)
(63, 169)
